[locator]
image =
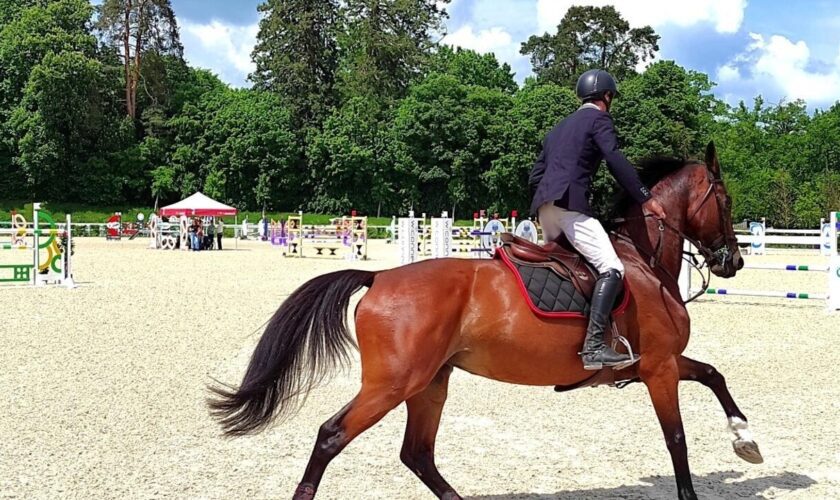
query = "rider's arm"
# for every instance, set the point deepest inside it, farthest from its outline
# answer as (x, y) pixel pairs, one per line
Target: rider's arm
(622, 170)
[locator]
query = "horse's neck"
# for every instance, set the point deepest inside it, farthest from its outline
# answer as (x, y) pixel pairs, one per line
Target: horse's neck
(673, 195)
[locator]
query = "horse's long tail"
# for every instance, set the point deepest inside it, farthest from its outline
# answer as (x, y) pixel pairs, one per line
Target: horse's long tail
(305, 340)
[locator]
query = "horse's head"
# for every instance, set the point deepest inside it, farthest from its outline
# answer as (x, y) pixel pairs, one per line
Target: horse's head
(709, 219)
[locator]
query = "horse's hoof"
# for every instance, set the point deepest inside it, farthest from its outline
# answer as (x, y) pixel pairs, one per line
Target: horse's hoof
(450, 495)
(304, 491)
(747, 450)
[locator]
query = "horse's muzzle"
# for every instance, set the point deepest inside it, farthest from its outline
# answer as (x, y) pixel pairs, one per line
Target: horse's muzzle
(728, 266)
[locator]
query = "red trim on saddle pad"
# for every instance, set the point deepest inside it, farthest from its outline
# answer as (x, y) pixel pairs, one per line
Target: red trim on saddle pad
(622, 307)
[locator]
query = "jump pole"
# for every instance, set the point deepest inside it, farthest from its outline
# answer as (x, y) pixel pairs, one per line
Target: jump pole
(832, 271)
(834, 265)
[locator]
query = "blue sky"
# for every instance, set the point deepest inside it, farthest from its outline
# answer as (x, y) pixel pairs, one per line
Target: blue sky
(782, 49)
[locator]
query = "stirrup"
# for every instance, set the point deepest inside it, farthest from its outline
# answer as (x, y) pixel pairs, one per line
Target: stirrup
(633, 358)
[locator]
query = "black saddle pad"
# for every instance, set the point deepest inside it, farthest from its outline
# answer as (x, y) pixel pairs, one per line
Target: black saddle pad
(551, 293)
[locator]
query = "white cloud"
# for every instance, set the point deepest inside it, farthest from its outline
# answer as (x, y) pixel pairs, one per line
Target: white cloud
(776, 64)
(728, 73)
(221, 47)
(726, 15)
(495, 40)
(484, 41)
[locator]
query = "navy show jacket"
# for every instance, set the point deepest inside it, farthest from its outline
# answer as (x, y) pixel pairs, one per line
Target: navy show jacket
(571, 154)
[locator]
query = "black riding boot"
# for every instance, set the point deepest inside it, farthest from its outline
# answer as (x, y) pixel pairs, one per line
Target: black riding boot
(595, 353)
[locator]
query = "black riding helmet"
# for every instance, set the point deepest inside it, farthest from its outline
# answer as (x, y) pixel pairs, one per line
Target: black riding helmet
(594, 83)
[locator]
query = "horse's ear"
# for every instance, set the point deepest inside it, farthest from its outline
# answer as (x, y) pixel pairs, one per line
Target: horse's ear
(712, 159)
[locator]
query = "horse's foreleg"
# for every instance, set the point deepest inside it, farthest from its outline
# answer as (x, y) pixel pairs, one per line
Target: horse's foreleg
(707, 375)
(662, 385)
(367, 408)
(418, 450)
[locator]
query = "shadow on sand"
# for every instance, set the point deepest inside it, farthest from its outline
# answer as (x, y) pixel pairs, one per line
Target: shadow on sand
(715, 485)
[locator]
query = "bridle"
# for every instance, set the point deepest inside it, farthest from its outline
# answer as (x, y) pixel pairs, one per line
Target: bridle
(716, 252)
(718, 249)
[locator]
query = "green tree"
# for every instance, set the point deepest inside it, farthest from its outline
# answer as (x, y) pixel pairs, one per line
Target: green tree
(134, 28)
(667, 110)
(297, 55)
(62, 25)
(67, 132)
(472, 68)
(239, 145)
(587, 38)
(536, 109)
(446, 136)
(350, 161)
(385, 45)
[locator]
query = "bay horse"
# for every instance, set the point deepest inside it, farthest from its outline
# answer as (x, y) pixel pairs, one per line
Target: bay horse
(419, 321)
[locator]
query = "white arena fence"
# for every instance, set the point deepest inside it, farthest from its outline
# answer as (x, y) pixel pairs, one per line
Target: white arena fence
(825, 238)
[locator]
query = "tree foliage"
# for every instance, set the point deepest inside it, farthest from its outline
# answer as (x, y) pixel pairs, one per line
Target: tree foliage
(355, 106)
(589, 38)
(385, 45)
(133, 29)
(296, 55)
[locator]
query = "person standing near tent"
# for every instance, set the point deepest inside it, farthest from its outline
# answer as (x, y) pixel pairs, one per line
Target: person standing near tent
(220, 229)
(211, 234)
(261, 228)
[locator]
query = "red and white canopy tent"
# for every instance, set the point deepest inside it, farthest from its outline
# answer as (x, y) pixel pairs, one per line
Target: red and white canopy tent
(198, 204)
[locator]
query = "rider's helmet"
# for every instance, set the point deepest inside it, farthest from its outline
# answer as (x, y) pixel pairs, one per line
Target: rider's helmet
(594, 83)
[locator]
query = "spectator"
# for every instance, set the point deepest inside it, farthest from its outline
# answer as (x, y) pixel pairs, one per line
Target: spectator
(199, 234)
(220, 228)
(211, 234)
(191, 235)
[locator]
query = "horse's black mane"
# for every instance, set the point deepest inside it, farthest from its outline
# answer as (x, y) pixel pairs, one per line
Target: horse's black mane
(651, 171)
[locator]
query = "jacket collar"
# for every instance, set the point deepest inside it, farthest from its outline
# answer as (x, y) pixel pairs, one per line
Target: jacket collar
(589, 105)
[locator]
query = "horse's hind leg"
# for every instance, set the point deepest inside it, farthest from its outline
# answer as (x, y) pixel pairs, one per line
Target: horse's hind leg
(418, 450)
(707, 375)
(367, 408)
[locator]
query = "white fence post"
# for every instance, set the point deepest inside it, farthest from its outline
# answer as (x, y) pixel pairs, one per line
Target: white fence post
(408, 238)
(834, 266)
(441, 236)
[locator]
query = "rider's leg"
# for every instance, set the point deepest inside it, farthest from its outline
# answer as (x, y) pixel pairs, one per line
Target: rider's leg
(591, 240)
(550, 221)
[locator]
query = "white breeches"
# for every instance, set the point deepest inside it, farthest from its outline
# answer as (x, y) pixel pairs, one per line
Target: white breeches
(584, 232)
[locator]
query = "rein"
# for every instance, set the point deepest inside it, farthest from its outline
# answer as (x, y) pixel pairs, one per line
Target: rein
(689, 257)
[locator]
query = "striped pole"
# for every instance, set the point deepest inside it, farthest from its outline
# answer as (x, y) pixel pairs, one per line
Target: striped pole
(787, 267)
(834, 263)
(762, 293)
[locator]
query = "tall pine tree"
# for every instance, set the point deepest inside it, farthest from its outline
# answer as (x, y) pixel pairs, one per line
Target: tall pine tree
(134, 28)
(587, 38)
(386, 44)
(297, 55)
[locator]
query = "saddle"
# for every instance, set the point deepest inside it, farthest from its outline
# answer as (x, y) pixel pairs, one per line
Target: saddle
(556, 281)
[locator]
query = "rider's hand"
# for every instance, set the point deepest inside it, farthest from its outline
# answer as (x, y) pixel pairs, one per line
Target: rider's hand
(653, 207)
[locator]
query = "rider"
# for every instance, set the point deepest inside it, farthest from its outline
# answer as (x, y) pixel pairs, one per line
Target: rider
(561, 180)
